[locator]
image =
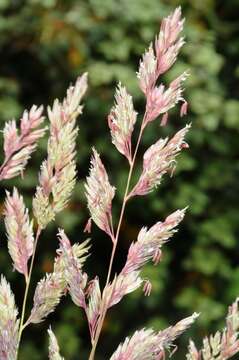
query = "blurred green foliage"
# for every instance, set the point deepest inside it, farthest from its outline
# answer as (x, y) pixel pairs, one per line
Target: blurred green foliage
(44, 45)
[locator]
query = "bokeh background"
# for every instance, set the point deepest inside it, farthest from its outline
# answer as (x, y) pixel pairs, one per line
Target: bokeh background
(44, 45)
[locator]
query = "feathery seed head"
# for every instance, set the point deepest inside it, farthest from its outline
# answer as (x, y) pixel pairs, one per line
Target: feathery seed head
(58, 171)
(161, 100)
(94, 305)
(147, 74)
(159, 59)
(156, 61)
(75, 278)
(149, 242)
(147, 344)
(121, 121)
(47, 296)
(122, 285)
(18, 145)
(158, 160)
(99, 194)
(19, 231)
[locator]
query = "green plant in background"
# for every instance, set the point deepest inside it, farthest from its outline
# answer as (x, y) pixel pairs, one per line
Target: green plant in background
(44, 45)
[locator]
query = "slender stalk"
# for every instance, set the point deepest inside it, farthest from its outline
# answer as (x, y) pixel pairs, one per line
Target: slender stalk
(28, 280)
(125, 199)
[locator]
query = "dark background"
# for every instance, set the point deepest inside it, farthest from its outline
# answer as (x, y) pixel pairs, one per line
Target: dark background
(44, 45)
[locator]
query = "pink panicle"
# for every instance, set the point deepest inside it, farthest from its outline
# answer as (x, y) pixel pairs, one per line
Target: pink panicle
(48, 293)
(156, 61)
(149, 242)
(99, 194)
(75, 278)
(121, 121)
(173, 219)
(11, 138)
(94, 305)
(84, 294)
(58, 172)
(74, 95)
(147, 74)
(149, 344)
(65, 245)
(19, 231)
(161, 100)
(158, 160)
(146, 248)
(46, 178)
(31, 120)
(122, 285)
(167, 44)
(18, 145)
(225, 343)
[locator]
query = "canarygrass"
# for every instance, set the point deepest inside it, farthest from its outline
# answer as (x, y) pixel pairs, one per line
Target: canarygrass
(56, 182)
